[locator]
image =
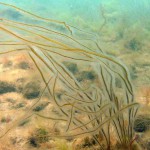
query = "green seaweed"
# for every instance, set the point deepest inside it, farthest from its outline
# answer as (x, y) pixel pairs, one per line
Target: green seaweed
(7, 87)
(38, 137)
(133, 45)
(142, 123)
(24, 65)
(72, 67)
(86, 75)
(19, 105)
(31, 90)
(40, 107)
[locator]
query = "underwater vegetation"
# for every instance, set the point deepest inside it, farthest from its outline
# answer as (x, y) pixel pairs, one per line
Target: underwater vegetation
(98, 108)
(31, 90)
(6, 87)
(133, 44)
(142, 123)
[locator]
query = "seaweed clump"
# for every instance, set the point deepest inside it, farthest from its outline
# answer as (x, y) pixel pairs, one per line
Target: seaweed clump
(93, 108)
(72, 67)
(86, 75)
(38, 137)
(133, 45)
(142, 124)
(6, 87)
(24, 65)
(31, 90)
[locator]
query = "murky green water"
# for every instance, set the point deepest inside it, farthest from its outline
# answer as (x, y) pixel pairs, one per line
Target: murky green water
(118, 28)
(86, 11)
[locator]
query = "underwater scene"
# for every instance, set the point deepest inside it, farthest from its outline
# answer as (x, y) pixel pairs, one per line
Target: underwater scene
(75, 75)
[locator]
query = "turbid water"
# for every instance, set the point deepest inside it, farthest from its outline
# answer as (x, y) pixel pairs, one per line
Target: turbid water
(74, 73)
